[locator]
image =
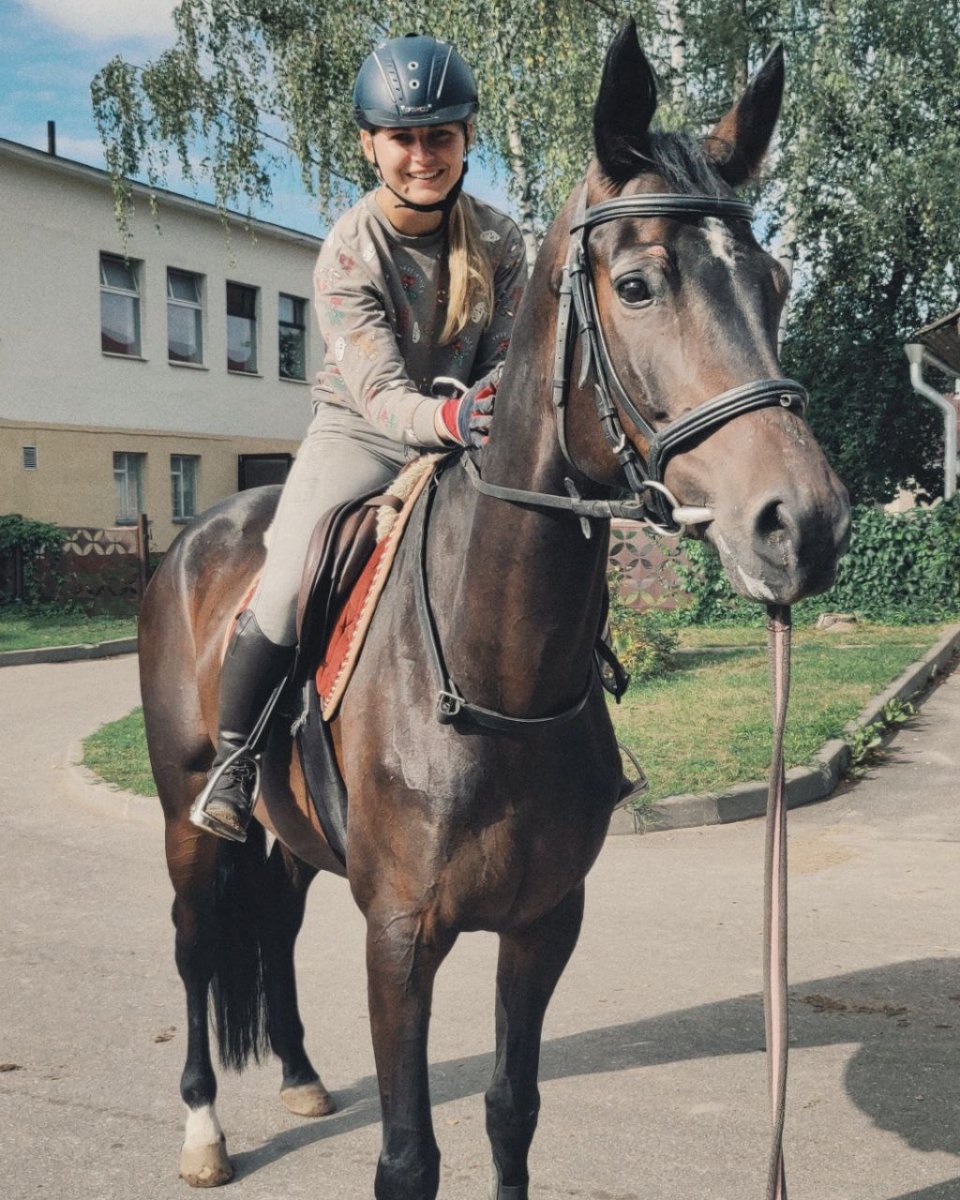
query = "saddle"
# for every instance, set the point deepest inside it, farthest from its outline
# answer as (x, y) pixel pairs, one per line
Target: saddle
(348, 562)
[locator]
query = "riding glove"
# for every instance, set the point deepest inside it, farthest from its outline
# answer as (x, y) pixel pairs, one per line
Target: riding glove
(467, 417)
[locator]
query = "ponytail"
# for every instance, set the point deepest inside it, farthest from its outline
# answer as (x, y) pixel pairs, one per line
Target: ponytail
(471, 275)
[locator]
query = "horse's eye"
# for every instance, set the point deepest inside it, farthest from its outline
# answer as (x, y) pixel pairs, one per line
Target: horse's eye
(633, 290)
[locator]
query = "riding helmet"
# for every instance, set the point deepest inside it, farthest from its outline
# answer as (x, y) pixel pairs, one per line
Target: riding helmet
(411, 81)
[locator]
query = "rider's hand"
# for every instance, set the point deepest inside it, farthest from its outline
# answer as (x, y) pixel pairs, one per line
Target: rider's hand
(466, 419)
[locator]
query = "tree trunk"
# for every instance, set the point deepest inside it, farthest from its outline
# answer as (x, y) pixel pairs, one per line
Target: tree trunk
(518, 169)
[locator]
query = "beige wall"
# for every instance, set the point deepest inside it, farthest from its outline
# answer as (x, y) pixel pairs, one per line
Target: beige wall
(73, 483)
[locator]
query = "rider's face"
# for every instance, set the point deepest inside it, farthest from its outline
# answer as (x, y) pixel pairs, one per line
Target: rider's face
(422, 164)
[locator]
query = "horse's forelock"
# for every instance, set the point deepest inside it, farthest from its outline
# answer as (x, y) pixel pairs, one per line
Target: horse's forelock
(681, 159)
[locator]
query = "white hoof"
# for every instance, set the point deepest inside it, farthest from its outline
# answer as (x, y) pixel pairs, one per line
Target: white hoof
(308, 1100)
(206, 1166)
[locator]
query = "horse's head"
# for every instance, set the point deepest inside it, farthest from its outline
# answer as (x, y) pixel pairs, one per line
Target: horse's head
(687, 305)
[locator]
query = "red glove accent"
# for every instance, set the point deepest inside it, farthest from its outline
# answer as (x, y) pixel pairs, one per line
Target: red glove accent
(448, 415)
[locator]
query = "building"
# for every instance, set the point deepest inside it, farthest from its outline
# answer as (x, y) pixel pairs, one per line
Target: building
(154, 376)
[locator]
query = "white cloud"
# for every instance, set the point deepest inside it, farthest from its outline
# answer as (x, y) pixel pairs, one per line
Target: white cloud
(108, 20)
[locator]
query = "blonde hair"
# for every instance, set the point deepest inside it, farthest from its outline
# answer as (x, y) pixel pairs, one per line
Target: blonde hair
(471, 273)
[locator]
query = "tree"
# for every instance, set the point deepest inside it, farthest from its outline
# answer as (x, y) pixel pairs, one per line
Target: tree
(243, 74)
(859, 197)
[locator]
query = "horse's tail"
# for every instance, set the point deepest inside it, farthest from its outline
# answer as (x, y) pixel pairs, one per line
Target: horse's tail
(237, 988)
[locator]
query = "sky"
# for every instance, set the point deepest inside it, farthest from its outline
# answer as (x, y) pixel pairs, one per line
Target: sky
(50, 50)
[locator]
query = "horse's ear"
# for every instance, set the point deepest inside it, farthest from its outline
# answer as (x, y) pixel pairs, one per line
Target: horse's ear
(625, 106)
(740, 140)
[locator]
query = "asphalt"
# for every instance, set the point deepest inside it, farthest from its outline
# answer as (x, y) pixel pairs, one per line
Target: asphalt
(653, 1078)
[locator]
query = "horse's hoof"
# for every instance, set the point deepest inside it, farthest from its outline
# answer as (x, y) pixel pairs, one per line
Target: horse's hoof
(308, 1100)
(206, 1166)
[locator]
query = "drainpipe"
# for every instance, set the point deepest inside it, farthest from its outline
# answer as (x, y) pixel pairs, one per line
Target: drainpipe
(917, 355)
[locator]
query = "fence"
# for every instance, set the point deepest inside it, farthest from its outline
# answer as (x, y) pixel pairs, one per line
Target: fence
(647, 566)
(106, 570)
(98, 570)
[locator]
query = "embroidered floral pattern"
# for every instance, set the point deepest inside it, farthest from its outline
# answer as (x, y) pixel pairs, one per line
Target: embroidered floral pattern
(346, 261)
(412, 285)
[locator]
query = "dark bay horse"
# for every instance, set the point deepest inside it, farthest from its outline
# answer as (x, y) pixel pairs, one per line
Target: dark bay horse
(455, 826)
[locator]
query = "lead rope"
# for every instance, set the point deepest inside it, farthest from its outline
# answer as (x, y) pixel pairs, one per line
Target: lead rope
(775, 901)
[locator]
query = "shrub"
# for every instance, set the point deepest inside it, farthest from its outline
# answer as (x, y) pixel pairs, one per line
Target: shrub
(641, 640)
(30, 541)
(902, 568)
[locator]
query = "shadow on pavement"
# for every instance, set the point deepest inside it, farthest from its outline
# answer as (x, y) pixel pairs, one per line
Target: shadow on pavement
(903, 1075)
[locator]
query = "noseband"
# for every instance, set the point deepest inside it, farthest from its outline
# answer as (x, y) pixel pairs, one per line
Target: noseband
(578, 317)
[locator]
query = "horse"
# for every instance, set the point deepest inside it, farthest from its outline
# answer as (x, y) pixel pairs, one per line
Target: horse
(474, 740)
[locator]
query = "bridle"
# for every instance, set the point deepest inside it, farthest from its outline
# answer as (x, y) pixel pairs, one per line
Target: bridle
(578, 317)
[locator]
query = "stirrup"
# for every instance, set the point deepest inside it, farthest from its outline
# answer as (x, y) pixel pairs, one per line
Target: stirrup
(198, 811)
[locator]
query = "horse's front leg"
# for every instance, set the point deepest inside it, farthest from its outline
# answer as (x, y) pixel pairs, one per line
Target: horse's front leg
(530, 964)
(403, 953)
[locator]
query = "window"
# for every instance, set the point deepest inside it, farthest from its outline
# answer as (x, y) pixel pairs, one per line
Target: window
(183, 483)
(241, 328)
(30, 461)
(119, 305)
(293, 337)
(184, 317)
(128, 472)
(258, 470)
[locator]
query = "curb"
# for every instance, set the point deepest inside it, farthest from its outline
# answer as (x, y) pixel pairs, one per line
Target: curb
(49, 654)
(87, 788)
(803, 784)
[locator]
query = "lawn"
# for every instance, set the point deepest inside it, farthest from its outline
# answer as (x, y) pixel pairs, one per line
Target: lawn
(706, 725)
(703, 726)
(23, 630)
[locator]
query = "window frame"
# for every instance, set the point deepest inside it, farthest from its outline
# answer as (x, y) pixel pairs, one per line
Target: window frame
(300, 307)
(134, 295)
(139, 478)
(196, 307)
(176, 472)
(254, 291)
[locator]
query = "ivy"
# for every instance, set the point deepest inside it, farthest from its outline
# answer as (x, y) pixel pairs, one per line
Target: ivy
(35, 543)
(902, 568)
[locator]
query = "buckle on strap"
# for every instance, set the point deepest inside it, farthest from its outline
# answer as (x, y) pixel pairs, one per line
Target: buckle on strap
(449, 707)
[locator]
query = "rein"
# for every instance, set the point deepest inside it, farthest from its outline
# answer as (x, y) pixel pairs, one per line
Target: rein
(775, 1018)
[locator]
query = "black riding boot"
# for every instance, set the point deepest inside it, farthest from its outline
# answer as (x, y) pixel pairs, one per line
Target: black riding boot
(252, 670)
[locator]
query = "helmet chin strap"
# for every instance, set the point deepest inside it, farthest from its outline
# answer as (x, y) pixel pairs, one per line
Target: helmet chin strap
(442, 206)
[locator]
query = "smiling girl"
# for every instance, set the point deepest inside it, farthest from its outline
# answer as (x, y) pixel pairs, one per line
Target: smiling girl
(417, 281)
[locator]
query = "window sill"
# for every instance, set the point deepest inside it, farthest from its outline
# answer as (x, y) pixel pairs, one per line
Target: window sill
(125, 522)
(289, 379)
(172, 362)
(181, 520)
(245, 374)
(126, 357)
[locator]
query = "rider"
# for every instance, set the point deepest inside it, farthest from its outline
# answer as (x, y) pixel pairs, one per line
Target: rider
(418, 280)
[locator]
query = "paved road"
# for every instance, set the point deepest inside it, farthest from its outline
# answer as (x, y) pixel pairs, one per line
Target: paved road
(653, 1079)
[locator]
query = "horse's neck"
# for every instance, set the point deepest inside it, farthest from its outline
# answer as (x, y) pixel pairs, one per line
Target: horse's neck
(526, 607)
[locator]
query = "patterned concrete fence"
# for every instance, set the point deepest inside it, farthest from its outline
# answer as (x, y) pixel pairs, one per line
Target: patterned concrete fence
(99, 570)
(647, 566)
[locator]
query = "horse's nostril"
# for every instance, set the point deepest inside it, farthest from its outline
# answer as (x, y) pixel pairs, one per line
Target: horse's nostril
(771, 521)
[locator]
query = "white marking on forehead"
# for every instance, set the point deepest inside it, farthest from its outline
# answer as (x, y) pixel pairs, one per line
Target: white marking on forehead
(719, 240)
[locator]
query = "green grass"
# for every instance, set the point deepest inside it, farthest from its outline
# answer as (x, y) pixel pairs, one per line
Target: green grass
(22, 630)
(706, 725)
(118, 754)
(701, 728)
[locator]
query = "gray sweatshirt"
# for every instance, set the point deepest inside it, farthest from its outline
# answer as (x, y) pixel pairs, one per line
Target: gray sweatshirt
(381, 306)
